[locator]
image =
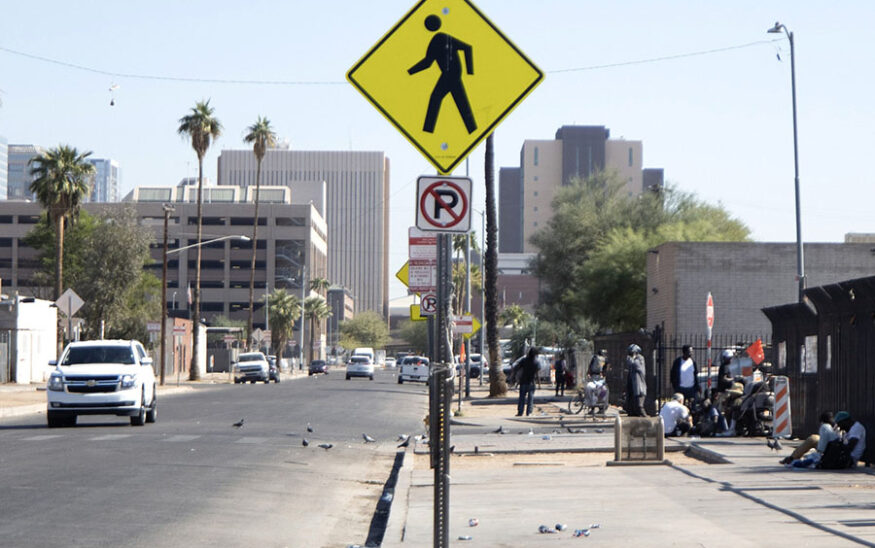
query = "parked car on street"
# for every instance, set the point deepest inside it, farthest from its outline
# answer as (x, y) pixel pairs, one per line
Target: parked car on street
(390, 362)
(413, 368)
(102, 377)
(360, 366)
(274, 369)
(251, 367)
(316, 367)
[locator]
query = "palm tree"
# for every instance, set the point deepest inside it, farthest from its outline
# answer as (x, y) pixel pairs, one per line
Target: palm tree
(285, 309)
(262, 137)
(315, 310)
(319, 285)
(497, 384)
(515, 316)
(62, 178)
(202, 128)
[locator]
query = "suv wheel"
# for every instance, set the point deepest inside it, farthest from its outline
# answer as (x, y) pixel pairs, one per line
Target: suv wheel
(55, 420)
(152, 413)
(140, 418)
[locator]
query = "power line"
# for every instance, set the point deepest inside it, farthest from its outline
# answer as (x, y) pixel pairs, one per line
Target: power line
(116, 74)
(665, 58)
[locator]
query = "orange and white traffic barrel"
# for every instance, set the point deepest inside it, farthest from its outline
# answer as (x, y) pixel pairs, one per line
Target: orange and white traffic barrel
(783, 426)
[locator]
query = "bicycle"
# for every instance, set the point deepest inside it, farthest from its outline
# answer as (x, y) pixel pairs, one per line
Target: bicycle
(596, 402)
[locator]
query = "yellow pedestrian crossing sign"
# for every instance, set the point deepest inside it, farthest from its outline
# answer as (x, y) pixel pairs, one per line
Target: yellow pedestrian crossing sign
(445, 76)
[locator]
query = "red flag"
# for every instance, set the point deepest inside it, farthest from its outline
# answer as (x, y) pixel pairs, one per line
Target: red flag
(462, 355)
(755, 351)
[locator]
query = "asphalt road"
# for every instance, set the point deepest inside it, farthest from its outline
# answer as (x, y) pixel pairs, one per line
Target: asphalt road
(193, 479)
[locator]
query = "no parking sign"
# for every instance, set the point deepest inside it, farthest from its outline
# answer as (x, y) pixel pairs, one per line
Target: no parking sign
(443, 204)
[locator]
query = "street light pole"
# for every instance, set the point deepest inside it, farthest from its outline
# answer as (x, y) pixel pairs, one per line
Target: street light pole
(800, 261)
(167, 210)
(303, 297)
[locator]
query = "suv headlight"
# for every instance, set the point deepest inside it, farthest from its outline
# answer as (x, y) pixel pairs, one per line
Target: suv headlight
(56, 383)
(128, 381)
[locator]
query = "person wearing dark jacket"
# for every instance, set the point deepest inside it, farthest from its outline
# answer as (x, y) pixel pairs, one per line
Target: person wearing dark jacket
(528, 370)
(684, 375)
(560, 369)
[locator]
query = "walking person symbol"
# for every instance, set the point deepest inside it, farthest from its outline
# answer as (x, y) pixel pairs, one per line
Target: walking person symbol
(443, 49)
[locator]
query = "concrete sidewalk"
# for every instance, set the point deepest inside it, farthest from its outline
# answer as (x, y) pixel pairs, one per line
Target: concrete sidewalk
(539, 473)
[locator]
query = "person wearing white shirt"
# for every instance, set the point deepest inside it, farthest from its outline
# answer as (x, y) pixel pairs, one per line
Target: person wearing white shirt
(676, 418)
(854, 436)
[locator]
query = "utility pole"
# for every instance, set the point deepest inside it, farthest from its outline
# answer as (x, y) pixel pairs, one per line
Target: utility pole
(167, 210)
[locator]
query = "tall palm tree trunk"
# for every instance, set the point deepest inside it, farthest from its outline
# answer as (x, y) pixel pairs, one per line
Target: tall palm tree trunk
(59, 277)
(194, 370)
(254, 251)
(497, 384)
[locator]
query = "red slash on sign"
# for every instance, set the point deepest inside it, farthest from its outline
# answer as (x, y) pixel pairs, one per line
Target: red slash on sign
(443, 204)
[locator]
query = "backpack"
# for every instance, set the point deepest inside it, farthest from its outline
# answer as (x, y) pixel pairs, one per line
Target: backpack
(837, 456)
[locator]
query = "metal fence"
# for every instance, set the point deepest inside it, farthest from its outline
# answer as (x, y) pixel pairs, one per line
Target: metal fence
(659, 350)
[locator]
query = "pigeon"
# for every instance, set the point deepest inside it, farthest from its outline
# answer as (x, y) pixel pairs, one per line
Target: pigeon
(500, 430)
(367, 438)
(326, 446)
(309, 428)
(774, 444)
(452, 449)
(402, 437)
(405, 443)
(476, 449)
(238, 424)
(305, 442)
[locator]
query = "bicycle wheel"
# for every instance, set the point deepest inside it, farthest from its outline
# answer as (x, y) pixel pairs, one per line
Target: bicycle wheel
(576, 404)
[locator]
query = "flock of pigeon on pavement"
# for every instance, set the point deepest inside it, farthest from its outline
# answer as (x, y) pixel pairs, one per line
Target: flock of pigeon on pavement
(403, 438)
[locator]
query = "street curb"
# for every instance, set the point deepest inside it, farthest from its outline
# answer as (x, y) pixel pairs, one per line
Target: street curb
(396, 525)
(20, 410)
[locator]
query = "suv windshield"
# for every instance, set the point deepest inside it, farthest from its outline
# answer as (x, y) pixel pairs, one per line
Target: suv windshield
(359, 359)
(98, 354)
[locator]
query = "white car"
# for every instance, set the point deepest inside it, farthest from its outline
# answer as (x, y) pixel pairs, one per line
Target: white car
(252, 367)
(359, 366)
(390, 363)
(413, 368)
(104, 377)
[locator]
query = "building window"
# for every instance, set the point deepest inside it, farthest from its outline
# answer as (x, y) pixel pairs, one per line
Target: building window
(631, 158)
(536, 192)
(535, 160)
(212, 307)
(535, 208)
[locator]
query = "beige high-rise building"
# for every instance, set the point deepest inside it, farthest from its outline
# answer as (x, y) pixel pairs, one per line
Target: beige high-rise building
(526, 192)
(356, 209)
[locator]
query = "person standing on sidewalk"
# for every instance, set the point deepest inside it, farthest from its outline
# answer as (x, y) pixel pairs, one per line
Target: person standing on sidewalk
(685, 375)
(528, 370)
(560, 371)
(636, 382)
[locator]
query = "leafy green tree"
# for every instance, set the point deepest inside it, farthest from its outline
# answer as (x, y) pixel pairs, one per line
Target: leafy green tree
(593, 251)
(515, 316)
(315, 310)
(202, 128)
(285, 309)
(61, 181)
(320, 285)
(142, 301)
(42, 238)
(262, 137)
(415, 334)
(113, 261)
(365, 329)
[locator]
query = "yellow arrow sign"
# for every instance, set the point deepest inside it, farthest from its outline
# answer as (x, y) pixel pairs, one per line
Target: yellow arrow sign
(404, 274)
(415, 314)
(475, 327)
(445, 76)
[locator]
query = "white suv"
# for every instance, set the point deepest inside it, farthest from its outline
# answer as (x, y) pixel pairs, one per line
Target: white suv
(252, 367)
(102, 378)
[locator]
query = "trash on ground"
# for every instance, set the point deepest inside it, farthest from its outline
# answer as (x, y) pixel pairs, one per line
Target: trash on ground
(545, 529)
(465, 537)
(581, 532)
(473, 522)
(560, 526)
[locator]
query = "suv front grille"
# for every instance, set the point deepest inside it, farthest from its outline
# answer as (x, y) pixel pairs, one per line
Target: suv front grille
(93, 384)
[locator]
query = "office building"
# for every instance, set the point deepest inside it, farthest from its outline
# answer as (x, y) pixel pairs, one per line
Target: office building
(105, 181)
(4, 166)
(290, 236)
(342, 305)
(19, 177)
(526, 192)
(356, 209)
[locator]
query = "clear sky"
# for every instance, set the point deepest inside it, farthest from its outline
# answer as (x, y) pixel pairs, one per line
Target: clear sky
(700, 83)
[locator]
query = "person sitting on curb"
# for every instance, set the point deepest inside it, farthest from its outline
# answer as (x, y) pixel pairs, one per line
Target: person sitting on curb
(676, 418)
(801, 458)
(854, 436)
